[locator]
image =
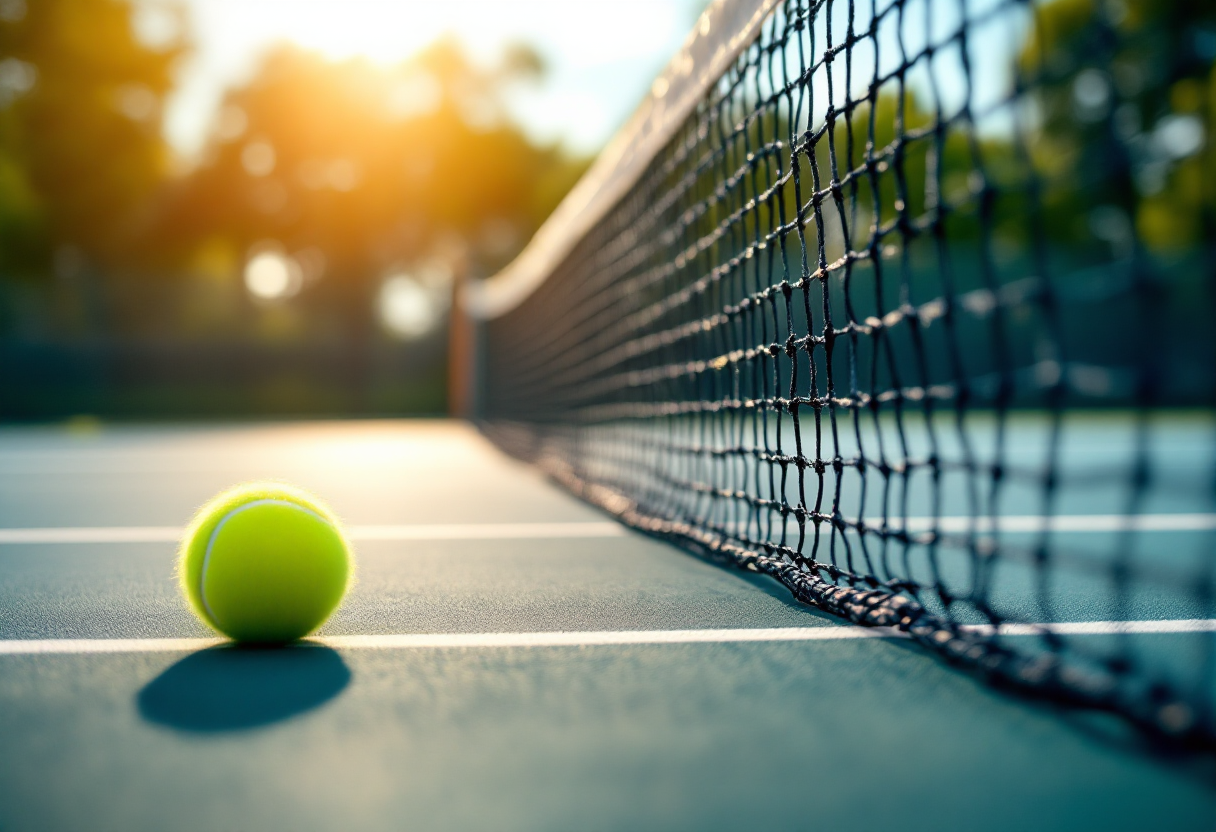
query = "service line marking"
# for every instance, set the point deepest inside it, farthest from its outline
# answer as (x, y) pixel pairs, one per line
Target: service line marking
(1083, 523)
(411, 641)
(446, 531)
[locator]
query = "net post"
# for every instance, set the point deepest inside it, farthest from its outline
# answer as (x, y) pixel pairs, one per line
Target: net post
(461, 351)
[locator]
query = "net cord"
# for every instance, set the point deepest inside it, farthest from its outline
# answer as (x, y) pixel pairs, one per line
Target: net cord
(722, 32)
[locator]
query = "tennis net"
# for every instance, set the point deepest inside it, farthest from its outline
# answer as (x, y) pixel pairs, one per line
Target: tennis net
(906, 304)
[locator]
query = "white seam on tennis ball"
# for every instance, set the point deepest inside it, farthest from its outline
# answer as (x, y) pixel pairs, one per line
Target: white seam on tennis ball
(202, 577)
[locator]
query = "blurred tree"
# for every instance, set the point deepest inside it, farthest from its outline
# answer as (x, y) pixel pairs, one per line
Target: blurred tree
(366, 170)
(81, 150)
(1127, 114)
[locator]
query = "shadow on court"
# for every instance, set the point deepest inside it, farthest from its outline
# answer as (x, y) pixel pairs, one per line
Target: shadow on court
(232, 688)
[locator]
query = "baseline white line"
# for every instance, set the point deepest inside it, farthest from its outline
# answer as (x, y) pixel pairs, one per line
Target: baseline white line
(12, 647)
(26, 647)
(603, 638)
(1103, 628)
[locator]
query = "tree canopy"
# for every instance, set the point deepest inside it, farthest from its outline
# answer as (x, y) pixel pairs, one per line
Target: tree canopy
(82, 155)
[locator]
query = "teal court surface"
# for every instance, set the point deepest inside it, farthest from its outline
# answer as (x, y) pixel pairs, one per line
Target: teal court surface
(509, 659)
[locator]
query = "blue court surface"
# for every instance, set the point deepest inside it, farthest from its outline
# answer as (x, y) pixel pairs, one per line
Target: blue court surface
(511, 659)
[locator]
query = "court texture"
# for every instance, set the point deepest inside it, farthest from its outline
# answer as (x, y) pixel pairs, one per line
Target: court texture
(839, 455)
(509, 658)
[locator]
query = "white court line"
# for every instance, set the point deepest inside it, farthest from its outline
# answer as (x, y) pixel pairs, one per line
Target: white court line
(488, 531)
(13, 647)
(1072, 523)
(538, 531)
(93, 534)
(1101, 628)
(449, 531)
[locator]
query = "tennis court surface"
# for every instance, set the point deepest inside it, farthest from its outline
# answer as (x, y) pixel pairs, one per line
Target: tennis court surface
(509, 659)
(839, 454)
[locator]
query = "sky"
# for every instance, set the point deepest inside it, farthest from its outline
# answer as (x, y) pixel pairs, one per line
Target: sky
(602, 55)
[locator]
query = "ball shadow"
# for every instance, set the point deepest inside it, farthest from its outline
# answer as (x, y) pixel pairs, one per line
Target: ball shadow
(234, 688)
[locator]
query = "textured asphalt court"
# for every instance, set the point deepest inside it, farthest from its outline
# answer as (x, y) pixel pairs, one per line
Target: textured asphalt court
(552, 671)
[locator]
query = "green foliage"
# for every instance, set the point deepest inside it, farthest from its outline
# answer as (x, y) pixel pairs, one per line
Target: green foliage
(374, 163)
(367, 168)
(373, 168)
(1127, 118)
(22, 219)
(363, 171)
(81, 152)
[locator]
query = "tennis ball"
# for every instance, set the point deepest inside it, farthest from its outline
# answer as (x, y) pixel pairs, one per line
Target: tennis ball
(264, 563)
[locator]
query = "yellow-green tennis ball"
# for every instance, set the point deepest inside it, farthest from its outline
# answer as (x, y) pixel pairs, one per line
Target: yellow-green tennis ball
(264, 563)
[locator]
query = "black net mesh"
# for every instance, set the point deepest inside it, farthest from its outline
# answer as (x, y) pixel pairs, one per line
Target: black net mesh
(913, 314)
